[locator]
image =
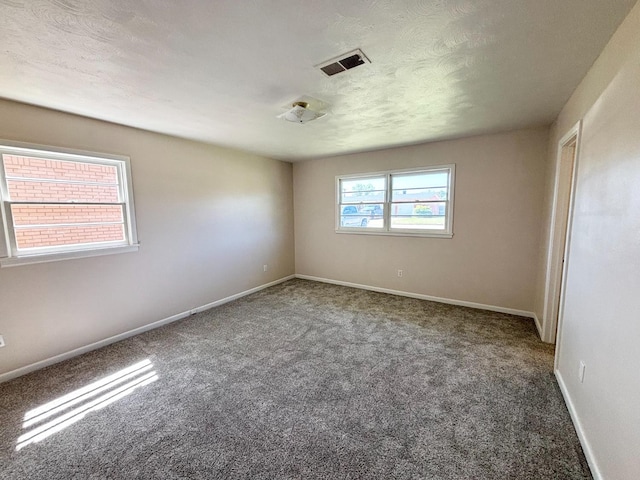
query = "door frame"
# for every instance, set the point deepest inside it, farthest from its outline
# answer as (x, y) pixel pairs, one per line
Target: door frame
(558, 250)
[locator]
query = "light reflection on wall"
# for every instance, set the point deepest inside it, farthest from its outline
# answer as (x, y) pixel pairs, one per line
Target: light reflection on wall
(89, 398)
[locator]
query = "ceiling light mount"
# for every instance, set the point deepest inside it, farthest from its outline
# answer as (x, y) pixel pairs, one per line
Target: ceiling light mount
(301, 112)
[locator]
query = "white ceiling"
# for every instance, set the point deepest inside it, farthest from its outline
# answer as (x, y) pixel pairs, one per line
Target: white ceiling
(220, 71)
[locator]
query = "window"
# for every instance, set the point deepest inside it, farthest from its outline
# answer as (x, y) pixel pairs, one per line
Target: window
(61, 204)
(408, 202)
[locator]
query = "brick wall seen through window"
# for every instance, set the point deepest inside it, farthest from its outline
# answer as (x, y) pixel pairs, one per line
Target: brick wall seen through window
(41, 224)
(57, 204)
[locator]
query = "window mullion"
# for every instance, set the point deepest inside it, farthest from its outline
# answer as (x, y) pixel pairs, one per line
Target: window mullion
(387, 205)
(127, 227)
(5, 238)
(119, 178)
(10, 230)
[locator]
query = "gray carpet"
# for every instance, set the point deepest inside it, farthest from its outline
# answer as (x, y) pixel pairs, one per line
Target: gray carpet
(304, 380)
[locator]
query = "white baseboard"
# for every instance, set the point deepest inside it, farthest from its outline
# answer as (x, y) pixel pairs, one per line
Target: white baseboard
(449, 301)
(538, 326)
(241, 294)
(116, 338)
(586, 447)
(136, 331)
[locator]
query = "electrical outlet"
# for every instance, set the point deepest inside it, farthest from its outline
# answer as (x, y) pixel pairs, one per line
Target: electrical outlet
(2, 344)
(399, 273)
(581, 371)
(265, 268)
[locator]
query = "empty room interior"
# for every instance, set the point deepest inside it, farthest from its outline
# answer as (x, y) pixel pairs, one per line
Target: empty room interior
(337, 239)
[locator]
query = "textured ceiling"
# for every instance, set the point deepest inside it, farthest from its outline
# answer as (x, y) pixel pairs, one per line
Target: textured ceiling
(220, 71)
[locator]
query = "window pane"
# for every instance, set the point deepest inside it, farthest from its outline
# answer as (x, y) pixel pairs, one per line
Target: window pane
(372, 210)
(44, 214)
(419, 194)
(415, 187)
(363, 190)
(63, 236)
(438, 179)
(31, 179)
(424, 216)
(16, 166)
(361, 216)
(29, 191)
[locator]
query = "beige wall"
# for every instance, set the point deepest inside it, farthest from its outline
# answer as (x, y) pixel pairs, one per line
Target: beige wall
(491, 259)
(601, 321)
(208, 219)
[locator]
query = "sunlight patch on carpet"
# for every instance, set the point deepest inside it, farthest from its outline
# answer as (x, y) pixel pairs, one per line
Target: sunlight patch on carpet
(89, 398)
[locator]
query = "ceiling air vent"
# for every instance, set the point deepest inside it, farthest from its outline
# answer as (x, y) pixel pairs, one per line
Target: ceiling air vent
(343, 62)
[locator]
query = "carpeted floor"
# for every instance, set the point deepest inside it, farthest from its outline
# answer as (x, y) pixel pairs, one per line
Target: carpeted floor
(302, 380)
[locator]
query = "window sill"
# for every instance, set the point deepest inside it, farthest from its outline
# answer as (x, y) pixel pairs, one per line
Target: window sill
(396, 234)
(55, 257)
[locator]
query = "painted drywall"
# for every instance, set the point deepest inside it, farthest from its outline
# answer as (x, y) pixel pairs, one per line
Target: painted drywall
(440, 69)
(492, 257)
(599, 321)
(208, 219)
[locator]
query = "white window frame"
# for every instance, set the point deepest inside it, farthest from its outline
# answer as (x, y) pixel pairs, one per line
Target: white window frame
(386, 228)
(9, 254)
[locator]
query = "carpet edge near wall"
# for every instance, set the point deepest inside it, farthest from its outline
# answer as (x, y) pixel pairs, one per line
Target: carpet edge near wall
(46, 362)
(18, 372)
(430, 298)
